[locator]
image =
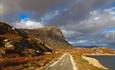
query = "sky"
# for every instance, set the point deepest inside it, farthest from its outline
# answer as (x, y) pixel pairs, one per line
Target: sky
(83, 22)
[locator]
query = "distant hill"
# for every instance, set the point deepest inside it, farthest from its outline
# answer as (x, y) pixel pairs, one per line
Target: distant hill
(88, 46)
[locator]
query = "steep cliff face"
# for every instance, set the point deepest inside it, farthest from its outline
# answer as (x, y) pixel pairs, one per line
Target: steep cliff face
(30, 41)
(51, 36)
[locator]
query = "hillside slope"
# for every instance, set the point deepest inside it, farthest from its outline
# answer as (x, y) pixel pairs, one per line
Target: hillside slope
(30, 41)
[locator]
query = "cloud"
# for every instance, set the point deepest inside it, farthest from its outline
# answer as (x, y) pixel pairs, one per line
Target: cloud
(39, 6)
(50, 15)
(110, 36)
(82, 41)
(76, 18)
(1, 9)
(96, 18)
(68, 33)
(91, 27)
(95, 22)
(109, 33)
(77, 9)
(29, 24)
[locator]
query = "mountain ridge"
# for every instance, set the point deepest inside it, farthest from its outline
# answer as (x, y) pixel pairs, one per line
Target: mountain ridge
(39, 40)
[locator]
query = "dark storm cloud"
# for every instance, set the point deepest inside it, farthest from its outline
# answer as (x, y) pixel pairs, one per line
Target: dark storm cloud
(39, 6)
(77, 9)
(54, 12)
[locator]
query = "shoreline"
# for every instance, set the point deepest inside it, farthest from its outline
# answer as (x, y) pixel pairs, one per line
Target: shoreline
(99, 54)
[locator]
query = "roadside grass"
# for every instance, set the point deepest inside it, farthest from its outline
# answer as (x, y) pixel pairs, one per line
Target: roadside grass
(28, 63)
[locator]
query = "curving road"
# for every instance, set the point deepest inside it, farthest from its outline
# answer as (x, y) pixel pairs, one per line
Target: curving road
(64, 63)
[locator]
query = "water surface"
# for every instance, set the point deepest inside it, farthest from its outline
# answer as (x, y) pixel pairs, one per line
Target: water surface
(108, 61)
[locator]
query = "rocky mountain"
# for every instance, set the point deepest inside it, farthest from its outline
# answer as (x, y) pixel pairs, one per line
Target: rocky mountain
(51, 36)
(30, 41)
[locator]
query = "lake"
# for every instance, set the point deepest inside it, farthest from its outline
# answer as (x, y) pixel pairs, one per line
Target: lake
(108, 61)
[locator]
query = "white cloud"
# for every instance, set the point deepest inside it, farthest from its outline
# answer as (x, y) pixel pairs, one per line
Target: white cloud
(112, 12)
(82, 41)
(110, 9)
(29, 24)
(110, 35)
(94, 12)
(96, 18)
(68, 33)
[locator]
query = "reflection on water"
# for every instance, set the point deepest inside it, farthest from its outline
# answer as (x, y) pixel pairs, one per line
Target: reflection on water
(108, 61)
